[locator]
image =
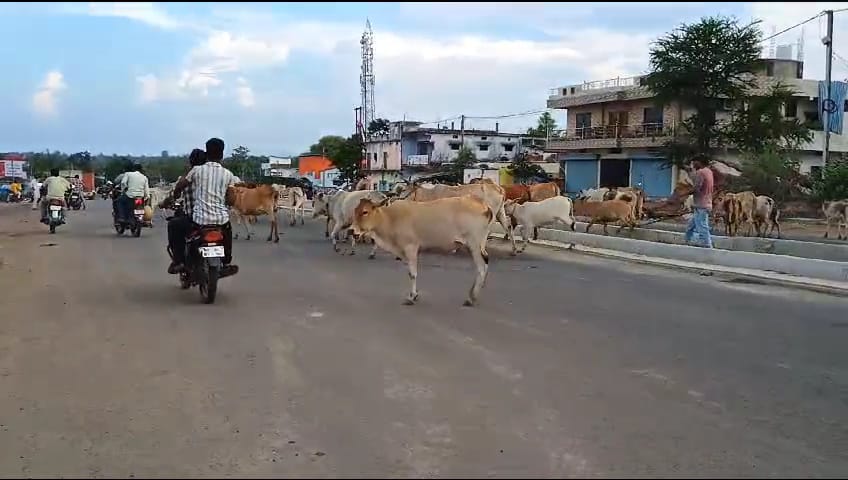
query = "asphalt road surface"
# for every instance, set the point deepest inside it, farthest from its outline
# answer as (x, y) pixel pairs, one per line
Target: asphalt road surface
(308, 364)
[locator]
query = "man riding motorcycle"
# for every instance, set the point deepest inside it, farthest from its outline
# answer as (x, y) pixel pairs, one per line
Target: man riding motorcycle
(208, 185)
(55, 187)
(134, 185)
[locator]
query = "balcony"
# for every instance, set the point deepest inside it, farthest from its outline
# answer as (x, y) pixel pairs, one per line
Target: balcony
(612, 90)
(416, 160)
(613, 136)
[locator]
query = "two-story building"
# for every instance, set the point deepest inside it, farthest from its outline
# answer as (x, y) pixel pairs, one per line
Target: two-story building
(409, 148)
(615, 130)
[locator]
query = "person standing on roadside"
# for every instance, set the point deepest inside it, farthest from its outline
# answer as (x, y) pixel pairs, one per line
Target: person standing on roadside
(702, 205)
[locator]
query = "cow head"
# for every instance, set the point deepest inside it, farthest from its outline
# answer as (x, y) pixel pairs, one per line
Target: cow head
(320, 205)
(509, 207)
(364, 218)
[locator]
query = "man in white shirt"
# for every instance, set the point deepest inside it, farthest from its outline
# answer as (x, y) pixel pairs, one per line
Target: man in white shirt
(35, 185)
(209, 183)
(134, 185)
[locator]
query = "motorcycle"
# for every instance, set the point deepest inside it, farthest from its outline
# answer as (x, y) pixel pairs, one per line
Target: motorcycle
(75, 200)
(135, 220)
(55, 214)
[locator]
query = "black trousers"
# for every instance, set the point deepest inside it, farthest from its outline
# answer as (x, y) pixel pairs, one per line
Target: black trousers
(181, 225)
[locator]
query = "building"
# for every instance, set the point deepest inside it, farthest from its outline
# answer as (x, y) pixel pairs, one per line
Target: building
(278, 167)
(615, 131)
(409, 148)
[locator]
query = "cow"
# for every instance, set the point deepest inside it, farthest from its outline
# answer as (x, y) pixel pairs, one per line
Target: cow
(291, 199)
(531, 215)
(730, 211)
(765, 216)
(339, 209)
(613, 211)
(487, 192)
(407, 227)
(248, 200)
(836, 212)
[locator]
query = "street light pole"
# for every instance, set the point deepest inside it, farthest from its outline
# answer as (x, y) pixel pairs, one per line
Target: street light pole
(827, 104)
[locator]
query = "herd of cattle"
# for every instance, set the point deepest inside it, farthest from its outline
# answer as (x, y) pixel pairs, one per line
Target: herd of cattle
(416, 217)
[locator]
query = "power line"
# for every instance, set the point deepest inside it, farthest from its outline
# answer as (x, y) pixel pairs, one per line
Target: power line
(442, 120)
(509, 115)
(840, 57)
(794, 26)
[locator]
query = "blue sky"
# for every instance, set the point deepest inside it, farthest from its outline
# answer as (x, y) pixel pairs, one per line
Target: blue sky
(145, 77)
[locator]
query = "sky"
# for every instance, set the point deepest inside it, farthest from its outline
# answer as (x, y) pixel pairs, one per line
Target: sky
(139, 78)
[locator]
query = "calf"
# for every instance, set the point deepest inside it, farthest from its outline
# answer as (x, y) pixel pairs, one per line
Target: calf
(536, 214)
(836, 212)
(248, 200)
(406, 227)
(730, 212)
(613, 211)
(339, 209)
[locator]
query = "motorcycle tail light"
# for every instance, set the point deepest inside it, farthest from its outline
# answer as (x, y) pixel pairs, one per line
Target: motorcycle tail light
(213, 236)
(138, 202)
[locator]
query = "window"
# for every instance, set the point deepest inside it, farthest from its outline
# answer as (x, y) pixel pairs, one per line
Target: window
(770, 69)
(483, 138)
(815, 172)
(792, 108)
(385, 159)
(813, 121)
(508, 147)
(456, 136)
(454, 146)
(583, 120)
(483, 147)
(617, 118)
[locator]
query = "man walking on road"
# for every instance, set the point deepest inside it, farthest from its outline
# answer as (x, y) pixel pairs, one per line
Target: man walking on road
(702, 203)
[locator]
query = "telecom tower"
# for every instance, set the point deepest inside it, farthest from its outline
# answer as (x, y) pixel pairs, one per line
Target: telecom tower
(366, 78)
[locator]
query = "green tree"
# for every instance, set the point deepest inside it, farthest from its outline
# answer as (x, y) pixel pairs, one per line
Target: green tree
(523, 170)
(699, 67)
(327, 144)
(378, 126)
(833, 183)
(464, 159)
(346, 156)
(758, 124)
(237, 163)
(545, 125)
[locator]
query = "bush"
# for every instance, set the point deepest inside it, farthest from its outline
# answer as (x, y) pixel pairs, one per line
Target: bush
(833, 184)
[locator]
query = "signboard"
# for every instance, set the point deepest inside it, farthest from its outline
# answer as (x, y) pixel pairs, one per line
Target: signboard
(12, 168)
(417, 159)
(279, 161)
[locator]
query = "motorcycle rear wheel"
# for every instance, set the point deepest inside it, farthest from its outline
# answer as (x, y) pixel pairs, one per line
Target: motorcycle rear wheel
(208, 283)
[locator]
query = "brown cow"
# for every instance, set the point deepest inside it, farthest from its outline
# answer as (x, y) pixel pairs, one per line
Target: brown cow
(248, 200)
(406, 227)
(613, 211)
(486, 191)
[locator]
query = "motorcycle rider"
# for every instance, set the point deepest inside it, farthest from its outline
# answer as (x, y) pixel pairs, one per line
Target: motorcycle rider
(208, 183)
(134, 184)
(180, 223)
(55, 187)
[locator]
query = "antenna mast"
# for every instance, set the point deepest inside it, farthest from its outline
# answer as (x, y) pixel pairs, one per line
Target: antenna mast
(366, 77)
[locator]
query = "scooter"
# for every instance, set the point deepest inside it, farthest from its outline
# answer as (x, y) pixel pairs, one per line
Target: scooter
(55, 214)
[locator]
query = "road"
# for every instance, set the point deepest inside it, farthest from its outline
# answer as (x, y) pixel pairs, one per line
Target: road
(308, 364)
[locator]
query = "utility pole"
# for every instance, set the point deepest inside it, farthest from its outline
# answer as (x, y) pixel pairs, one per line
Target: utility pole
(827, 103)
(462, 130)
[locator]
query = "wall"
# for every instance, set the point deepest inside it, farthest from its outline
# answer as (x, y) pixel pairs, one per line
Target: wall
(442, 151)
(313, 164)
(385, 150)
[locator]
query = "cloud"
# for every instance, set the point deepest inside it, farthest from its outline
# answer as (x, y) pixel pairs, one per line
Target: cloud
(244, 94)
(44, 100)
(145, 12)
(225, 52)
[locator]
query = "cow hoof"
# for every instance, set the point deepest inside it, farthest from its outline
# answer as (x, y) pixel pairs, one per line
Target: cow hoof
(372, 256)
(513, 253)
(409, 301)
(468, 303)
(398, 259)
(352, 252)
(276, 240)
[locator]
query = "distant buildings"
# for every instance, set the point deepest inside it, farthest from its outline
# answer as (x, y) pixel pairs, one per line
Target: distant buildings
(615, 131)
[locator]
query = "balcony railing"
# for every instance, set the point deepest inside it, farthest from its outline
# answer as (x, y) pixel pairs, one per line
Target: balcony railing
(618, 82)
(644, 130)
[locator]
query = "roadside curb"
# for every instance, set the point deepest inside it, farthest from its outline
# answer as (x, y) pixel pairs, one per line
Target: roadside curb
(760, 276)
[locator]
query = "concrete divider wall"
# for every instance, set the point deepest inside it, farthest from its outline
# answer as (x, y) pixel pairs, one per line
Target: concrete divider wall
(806, 267)
(795, 248)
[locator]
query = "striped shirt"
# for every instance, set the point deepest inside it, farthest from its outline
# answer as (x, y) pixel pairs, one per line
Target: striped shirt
(209, 184)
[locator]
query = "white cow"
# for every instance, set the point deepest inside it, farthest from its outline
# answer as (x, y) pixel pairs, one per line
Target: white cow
(291, 199)
(339, 209)
(537, 214)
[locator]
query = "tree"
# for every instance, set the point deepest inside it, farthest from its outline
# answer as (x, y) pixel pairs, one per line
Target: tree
(378, 126)
(833, 184)
(758, 124)
(464, 159)
(347, 157)
(523, 170)
(238, 161)
(699, 67)
(327, 144)
(544, 126)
